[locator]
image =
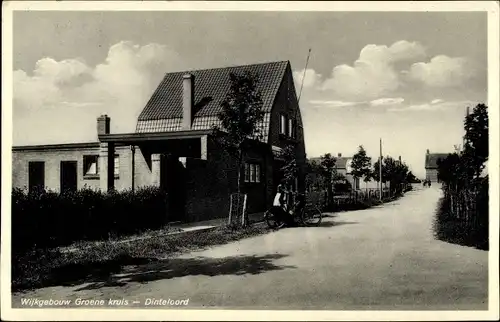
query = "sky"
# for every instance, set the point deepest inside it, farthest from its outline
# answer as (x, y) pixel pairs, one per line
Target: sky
(403, 77)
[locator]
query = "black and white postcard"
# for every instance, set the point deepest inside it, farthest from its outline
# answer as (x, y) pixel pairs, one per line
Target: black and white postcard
(250, 160)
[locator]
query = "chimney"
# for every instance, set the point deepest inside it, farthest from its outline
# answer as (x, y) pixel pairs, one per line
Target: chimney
(428, 151)
(187, 101)
(103, 124)
(399, 159)
(339, 155)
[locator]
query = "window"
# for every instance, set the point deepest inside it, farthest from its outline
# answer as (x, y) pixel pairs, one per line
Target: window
(36, 175)
(90, 165)
(117, 165)
(291, 128)
(247, 172)
(252, 172)
(283, 124)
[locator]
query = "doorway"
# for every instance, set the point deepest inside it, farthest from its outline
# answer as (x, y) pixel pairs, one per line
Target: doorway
(68, 177)
(173, 182)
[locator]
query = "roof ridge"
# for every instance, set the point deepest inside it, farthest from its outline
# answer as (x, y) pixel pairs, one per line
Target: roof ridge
(227, 67)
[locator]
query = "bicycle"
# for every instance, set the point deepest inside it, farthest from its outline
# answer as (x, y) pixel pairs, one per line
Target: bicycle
(306, 214)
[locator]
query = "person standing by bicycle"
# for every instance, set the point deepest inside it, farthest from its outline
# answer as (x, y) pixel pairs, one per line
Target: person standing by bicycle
(281, 197)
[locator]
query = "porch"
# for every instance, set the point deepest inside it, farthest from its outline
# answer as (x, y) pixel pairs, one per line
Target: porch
(166, 156)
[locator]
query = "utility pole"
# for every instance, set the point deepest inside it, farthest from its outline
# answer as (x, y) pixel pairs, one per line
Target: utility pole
(380, 169)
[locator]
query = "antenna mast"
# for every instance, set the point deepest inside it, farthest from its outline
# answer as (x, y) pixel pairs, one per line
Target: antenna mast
(304, 77)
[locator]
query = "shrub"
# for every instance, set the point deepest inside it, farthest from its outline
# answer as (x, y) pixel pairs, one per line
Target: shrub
(45, 219)
(464, 228)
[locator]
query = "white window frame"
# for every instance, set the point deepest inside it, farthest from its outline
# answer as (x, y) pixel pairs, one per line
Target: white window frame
(283, 124)
(87, 162)
(247, 172)
(257, 173)
(291, 128)
(116, 169)
(252, 172)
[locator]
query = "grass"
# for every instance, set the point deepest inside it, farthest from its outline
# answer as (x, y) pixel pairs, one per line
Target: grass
(120, 239)
(35, 269)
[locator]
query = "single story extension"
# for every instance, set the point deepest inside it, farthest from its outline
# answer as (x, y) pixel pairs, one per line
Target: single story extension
(173, 147)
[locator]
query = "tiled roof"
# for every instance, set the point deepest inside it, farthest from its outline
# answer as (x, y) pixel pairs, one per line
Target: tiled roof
(210, 88)
(431, 159)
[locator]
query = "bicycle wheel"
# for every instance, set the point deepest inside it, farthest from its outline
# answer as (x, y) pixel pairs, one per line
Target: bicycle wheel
(312, 216)
(272, 221)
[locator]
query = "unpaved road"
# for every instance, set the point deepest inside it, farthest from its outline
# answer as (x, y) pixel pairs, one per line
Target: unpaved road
(380, 258)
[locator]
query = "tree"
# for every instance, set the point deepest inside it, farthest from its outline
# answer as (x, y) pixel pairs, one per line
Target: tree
(465, 191)
(314, 175)
(290, 169)
(376, 172)
(476, 138)
(411, 178)
(240, 117)
(328, 166)
(449, 169)
(393, 171)
(361, 165)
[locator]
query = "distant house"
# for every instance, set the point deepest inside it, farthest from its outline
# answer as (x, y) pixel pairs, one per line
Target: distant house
(343, 167)
(172, 147)
(431, 165)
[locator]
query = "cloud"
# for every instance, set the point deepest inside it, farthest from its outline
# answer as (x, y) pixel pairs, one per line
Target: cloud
(387, 101)
(311, 78)
(441, 71)
(373, 74)
(77, 93)
(433, 106)
(333, 104)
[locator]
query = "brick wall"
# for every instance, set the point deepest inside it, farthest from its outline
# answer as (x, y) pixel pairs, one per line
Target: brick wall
(431, 174)
(286, 103)
(53, 157)
(209, 184)
(142, 173)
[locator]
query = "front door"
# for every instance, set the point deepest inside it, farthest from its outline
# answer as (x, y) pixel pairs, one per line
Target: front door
(68, 176)
(173, 182)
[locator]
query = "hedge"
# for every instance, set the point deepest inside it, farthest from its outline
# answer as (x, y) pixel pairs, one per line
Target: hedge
(463, 218)
(44, 219)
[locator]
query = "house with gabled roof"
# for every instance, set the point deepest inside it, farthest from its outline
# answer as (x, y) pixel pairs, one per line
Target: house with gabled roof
(173, 147)
(431, 165)
(343, 168)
